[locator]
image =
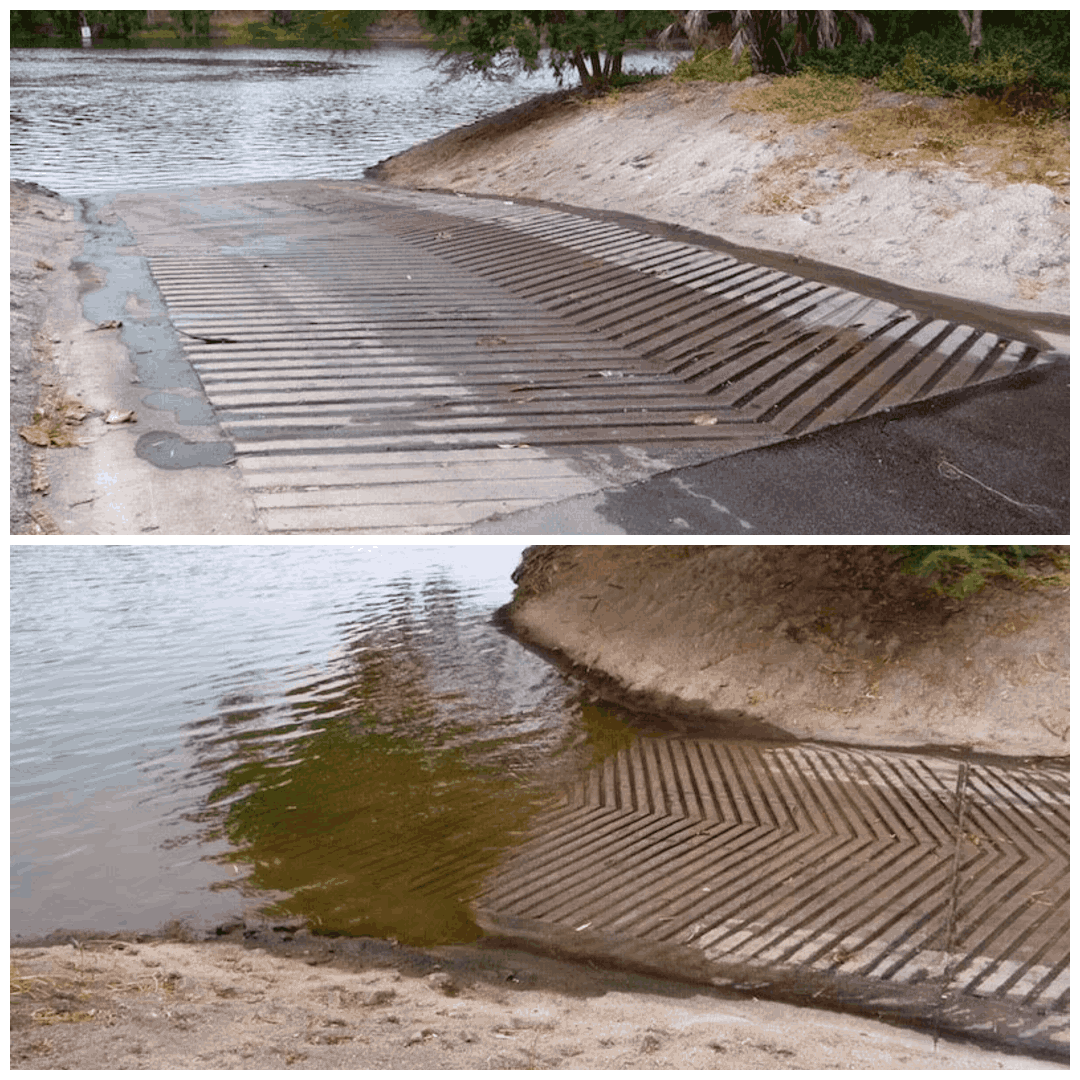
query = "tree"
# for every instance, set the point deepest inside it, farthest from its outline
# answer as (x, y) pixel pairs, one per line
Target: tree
(331, 30)
(973, 29)
(195, 23)
(498, 44)
(760, 32)
(30, 27)
(334, 30)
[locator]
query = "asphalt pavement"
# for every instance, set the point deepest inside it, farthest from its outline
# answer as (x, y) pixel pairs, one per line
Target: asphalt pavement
(991, 460)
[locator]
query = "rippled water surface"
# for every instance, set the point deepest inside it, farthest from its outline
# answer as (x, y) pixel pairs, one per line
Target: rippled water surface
(197, 730)
(90, 121)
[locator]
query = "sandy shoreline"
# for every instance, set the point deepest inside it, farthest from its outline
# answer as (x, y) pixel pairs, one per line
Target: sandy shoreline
(261, 1000)
(684, 154)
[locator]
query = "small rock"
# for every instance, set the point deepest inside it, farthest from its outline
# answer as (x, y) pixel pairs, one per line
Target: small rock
(378, 997)
(441, 980)
(651, 1042)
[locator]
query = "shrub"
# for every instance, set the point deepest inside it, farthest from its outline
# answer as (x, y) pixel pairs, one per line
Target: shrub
(713, 65)
(1023, 63)
(960, 570)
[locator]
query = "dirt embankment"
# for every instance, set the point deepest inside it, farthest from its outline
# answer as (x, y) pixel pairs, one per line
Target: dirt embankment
(290, 1001)
(694, 155)
(831, 643)
(43, 240)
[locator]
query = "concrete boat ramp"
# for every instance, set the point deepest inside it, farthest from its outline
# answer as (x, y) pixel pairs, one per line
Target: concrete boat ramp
(378, 361)
(915, 887)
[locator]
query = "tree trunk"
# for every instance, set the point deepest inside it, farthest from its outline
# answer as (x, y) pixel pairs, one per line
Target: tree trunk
(582, 69)
(973, 27)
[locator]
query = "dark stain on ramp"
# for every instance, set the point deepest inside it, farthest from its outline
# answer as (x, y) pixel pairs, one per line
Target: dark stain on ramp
(169, 451)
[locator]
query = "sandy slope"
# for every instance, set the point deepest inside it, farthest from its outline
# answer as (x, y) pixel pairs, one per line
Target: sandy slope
(826, 643)
(686, 154)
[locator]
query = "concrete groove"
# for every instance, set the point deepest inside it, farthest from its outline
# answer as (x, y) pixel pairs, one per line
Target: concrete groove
(421, 324)
(922, 885)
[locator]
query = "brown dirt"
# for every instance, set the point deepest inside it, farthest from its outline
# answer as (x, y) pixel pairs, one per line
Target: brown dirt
(314, 1004)
(42, 243)
(831, 643)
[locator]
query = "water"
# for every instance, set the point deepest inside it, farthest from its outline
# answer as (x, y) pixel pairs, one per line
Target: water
(92, 121)
(200, 731)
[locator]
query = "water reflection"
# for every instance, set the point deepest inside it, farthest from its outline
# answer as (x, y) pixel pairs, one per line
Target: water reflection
(94, 121)
(375, 799)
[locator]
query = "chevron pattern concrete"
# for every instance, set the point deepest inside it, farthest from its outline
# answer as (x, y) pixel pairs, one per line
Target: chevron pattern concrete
(927, 887)
(399, 362)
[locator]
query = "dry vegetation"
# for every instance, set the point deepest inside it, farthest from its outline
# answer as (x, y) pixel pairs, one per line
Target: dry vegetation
(987, 138)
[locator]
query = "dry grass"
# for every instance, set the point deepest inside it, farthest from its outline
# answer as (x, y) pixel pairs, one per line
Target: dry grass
(787, 187)
(967, 132)
(803, 98)
(982, 136)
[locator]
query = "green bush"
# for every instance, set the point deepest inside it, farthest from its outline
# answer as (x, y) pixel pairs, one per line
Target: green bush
(960, 570)
(713, 65)
(1024, 59)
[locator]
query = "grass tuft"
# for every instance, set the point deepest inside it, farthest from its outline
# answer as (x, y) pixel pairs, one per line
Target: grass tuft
(961, 570)
(713, 65)
(804, 98)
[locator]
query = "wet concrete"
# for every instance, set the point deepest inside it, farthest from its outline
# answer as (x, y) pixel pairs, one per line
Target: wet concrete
(930, 889)
(272, 289)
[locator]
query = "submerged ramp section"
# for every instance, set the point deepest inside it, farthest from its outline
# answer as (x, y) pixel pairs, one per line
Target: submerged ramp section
(925, 888)
(397, 361)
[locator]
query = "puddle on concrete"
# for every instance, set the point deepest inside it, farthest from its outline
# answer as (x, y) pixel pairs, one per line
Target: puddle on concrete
(169, 451)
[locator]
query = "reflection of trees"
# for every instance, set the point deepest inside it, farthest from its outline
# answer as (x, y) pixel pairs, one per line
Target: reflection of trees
(375, 798)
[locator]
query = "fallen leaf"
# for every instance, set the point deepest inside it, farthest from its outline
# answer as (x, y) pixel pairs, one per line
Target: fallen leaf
(115, 416)
(704, 419)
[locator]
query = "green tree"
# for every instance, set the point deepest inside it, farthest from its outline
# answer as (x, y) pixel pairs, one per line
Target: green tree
(63, 27)
(775, 38)
(192, 23)
(331, 30)
(334, 30)
(497, 44)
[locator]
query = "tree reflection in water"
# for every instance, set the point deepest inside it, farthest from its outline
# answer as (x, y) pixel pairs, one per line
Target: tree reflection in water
(375, 798)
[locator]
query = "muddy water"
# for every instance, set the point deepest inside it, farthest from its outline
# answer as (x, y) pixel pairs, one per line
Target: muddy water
(95, 121)
(338, 733)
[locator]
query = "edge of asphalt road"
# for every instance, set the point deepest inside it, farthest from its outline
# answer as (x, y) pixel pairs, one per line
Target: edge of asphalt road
(991, 460)
(172, 471)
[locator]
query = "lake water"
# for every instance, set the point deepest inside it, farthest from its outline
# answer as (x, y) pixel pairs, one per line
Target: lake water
(90, 121)
(199, 730)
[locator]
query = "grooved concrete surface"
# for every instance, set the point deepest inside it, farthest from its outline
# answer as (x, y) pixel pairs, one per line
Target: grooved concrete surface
(904, 885)
(388, 361)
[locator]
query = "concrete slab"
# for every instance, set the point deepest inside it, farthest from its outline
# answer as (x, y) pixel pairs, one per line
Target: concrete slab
(924, 888)
(308, 323)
